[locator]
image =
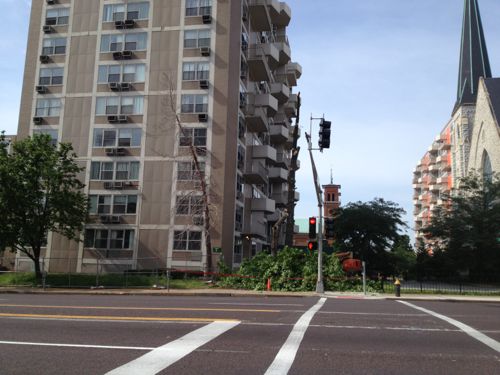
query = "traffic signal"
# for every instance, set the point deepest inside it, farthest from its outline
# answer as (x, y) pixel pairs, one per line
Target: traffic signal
(312, 245)
(329, 227)
(324, 134)
(312, 227)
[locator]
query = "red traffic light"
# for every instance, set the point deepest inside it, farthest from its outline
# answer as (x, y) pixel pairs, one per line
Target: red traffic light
(312, 245)
(312, 227)
(312, 220)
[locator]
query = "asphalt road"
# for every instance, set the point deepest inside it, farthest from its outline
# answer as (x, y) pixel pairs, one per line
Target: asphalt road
(86, 334)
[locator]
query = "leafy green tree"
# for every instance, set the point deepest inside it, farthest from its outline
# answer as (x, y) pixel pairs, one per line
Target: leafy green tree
(39, 193)
(370, 231)
(402, 257)
(467, 228)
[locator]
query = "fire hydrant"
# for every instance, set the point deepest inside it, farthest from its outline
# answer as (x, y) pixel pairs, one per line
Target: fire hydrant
(397, 288)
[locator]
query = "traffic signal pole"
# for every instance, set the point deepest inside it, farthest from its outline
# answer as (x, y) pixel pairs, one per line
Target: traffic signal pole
(319, 284)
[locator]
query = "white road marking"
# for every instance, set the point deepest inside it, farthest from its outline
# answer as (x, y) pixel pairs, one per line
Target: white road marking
(285, 357)
(255, 304)
(164, 356)
(145, 348)
(493, 344)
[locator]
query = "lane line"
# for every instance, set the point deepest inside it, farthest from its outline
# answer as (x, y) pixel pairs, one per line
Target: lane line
(144, 348)
(164, 356)
(128, 318)
(493, 344)
(285, 357)
(139, 308)
(256, 304)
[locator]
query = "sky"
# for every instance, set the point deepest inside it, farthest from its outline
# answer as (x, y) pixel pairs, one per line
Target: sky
(383, 71)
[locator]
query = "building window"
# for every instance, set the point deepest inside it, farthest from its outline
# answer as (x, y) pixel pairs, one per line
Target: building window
(54, 46)
(186, 171)
(107, 171)
(58, 16)
(117, 137)
(194, 136)
(51, 76)
(133, 11)
(128, 42)
(198, 7)
(124, 105)
(48, 107)
(122, 73)
(196, 38)
(193, 71)
(112, 204)
(192, 103)
(187, 240)
(189, 205)
(53, 134)
(122, 239)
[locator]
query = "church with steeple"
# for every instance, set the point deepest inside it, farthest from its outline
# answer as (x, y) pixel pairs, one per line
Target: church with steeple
(471, 138)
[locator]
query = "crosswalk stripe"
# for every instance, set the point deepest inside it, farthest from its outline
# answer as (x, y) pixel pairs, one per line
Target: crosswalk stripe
(164, 356)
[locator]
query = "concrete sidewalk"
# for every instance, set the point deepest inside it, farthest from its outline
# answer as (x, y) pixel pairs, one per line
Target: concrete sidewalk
(215, 292)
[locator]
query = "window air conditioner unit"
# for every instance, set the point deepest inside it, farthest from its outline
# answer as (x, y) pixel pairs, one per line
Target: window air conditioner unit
(202, 117)
(119, 24)
(109, 151)
(114, 86)
(205, 51)
(204, 84)
(104, 218)
(120, 152)
(112, 119)
(41, 89)
(115, 219)
(51, 2)
(128, 184)
(37, 120)
(129, 24)
(108, 185)
(125, 86)
(198, 220)
(118, 185)
(47, 29)
(118, 55)
(44, 59)
(127, 54)
(122, 118)
(206, 19)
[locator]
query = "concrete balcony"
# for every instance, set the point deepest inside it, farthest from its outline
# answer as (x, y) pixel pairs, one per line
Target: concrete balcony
(256, 119)
(263, 152)
(280, 91)
(281, 198)
(293, 72)
(291, 106)
(269, 51)
(255, 227)
(258, 66)
(280, 13)
(255, 173)
(284, 50)
(279, 134)
(277, 174)
(262, 205)
(260, 15)
(267, 101)
(283, 160)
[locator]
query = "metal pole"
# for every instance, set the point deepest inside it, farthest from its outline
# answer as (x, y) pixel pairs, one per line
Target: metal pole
(364, 278)
(320, 288)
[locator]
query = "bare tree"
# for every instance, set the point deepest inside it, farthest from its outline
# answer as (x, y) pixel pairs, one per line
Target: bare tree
(290, 223)
(198, 172)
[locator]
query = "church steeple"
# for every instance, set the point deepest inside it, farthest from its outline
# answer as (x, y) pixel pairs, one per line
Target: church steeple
(474, 62)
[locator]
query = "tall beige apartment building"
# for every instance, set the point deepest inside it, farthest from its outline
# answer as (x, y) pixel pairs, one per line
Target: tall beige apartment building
(111, 76)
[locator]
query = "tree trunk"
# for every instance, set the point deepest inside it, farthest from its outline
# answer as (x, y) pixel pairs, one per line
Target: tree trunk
(36, 261)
